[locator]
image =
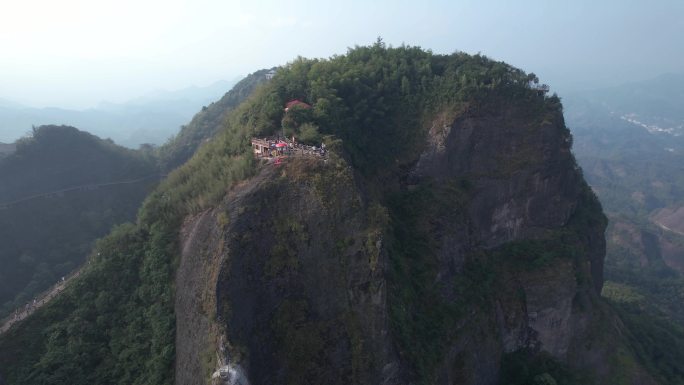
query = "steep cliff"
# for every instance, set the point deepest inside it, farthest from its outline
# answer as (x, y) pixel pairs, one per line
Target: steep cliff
(447, 238)
(489, 244)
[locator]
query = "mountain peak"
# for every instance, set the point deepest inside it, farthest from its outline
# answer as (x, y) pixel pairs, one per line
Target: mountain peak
(447, 237)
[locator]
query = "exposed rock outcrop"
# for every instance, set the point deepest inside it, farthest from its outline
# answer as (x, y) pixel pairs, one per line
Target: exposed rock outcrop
(307, 261)
(200, 346)
(300, 293)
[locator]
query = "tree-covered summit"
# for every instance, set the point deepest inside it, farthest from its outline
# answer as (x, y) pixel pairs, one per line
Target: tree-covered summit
(373, 105)
(377, 98)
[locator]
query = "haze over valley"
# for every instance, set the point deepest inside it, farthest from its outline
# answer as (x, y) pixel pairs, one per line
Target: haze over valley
(150, 119)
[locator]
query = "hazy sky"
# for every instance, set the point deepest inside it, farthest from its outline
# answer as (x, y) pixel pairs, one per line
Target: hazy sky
(76, 53)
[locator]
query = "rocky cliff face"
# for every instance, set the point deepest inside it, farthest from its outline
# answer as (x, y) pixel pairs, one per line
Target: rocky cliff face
(316, 282)
(449, 238)
(301, 291)
(523, 175)
(525, 186)
(522, 169)
(530, 218)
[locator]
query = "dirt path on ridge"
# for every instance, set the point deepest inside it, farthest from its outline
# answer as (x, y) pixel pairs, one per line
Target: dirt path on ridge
(39, 301)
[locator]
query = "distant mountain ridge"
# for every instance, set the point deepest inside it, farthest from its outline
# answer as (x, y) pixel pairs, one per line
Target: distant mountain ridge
(152, 118)
(10, 104)
(207, 94)
(447, 237)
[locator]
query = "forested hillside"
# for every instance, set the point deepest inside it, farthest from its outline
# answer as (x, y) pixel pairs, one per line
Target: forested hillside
(448, 237)
(68, 188)
(62, 189)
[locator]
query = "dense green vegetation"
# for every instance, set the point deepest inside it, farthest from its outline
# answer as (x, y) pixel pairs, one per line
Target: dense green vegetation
(377, 99)
(421, 317)
(99, 330)
(116, 324)
(656, 339)
(47, 237)
(59, 157)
